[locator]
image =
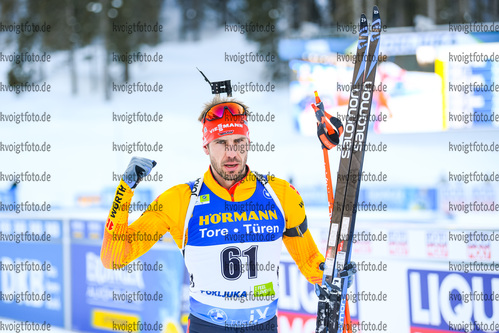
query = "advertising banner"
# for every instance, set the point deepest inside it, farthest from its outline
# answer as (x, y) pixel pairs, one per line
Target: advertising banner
(31, 273)
(142, 296)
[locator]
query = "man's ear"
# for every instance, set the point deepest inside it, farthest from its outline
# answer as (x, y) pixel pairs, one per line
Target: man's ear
(206, 150)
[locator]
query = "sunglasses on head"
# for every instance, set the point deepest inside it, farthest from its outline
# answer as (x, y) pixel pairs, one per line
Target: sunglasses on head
(217, 111)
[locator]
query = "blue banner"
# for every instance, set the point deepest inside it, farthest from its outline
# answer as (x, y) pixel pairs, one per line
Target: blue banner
(442, 301)
(142, 296)
(31, 271)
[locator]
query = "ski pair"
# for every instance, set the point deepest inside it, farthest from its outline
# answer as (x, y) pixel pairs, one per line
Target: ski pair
(343, 206)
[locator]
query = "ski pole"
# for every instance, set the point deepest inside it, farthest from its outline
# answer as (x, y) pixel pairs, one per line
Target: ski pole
(328, 128)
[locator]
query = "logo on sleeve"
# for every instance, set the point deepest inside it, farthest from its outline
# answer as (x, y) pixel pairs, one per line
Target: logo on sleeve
(266, 194)
(109, 225)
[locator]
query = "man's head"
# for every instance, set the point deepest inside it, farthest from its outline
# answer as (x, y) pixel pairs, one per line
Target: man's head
(226, 137)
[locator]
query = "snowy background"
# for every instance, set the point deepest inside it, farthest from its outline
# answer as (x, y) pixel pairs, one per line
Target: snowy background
(81, 133)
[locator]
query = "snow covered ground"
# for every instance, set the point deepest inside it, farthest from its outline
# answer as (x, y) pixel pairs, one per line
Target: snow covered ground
(81, 130)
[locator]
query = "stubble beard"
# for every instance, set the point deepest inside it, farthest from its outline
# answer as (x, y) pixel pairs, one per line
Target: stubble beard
(229, 176)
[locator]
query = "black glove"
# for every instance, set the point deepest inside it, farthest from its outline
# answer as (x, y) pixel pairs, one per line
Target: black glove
(137, 169)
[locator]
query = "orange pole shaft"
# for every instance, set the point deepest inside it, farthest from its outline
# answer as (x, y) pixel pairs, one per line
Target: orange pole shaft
(330, 195)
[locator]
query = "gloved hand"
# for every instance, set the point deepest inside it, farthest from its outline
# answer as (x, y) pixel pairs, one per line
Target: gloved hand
(330, 295)
(348, 271)
(329, 128)
(137, 169)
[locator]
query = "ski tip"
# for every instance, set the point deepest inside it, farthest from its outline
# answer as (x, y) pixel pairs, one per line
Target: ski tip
(363, 22)
(375, 13)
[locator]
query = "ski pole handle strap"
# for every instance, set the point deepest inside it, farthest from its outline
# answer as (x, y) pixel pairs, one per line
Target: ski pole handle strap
(329, 129)
(297, 231)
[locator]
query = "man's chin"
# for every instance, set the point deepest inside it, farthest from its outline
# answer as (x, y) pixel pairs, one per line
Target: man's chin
(234, 175)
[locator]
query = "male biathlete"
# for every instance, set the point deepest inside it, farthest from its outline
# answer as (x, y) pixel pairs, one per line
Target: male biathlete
(229, 225)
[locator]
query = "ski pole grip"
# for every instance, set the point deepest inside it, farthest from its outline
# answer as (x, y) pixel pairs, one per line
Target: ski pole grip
(319, 108)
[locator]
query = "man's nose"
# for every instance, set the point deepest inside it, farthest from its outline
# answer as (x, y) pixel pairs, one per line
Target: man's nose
(232, 150)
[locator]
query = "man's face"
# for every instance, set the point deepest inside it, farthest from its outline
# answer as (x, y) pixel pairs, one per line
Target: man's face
(228, 156)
